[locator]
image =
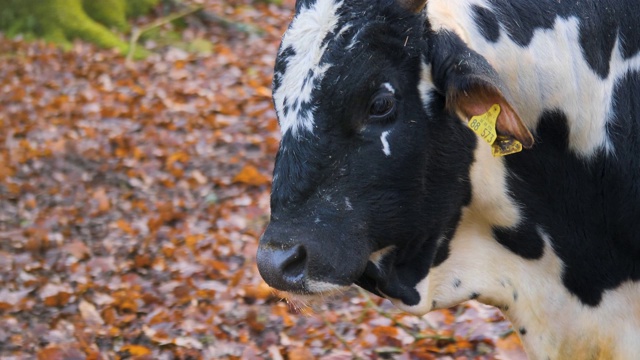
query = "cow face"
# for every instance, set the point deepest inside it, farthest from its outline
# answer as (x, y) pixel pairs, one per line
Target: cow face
(373, 167)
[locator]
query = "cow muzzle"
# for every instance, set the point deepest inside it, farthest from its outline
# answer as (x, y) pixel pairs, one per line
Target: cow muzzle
(307, 260)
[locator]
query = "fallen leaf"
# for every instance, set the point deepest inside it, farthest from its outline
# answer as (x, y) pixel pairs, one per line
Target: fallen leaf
(300, 353)
(188, 342)
(51, 353)
(100, 196)
(89, 313)
(55, 295)
(251, 176)
(135, 350)
(77, 249)
(8, 299)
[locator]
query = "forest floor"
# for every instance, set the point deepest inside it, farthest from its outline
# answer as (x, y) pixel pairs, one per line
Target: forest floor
(132, 196)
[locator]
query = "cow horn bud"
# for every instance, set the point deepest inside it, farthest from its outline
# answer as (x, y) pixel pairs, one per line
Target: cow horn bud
(413, 5)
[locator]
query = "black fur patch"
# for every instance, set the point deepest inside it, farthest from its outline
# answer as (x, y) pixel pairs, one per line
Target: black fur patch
(588, 207)
(523, 240)
(487, 22)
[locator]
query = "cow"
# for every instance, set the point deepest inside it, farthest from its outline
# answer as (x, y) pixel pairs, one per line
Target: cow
(438, 151)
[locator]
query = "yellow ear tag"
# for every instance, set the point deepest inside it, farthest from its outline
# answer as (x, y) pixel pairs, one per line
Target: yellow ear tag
(485, 126)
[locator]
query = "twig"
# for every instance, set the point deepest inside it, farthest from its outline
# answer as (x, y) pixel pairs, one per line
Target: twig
(136, 33)
(342, 340)
(244, 27)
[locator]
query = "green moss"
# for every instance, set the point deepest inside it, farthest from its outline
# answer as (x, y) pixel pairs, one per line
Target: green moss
(61, 21)
(139, 7)
(111, 13)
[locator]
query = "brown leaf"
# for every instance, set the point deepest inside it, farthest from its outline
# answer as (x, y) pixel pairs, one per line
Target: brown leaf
(51, 353)
(100, 196)
(199, 177)
(55, 295)
(77, 249)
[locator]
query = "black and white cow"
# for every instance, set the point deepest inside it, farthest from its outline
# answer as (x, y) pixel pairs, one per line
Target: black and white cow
(379, 181)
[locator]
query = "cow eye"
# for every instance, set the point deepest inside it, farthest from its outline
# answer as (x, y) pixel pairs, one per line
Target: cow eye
(382, 106)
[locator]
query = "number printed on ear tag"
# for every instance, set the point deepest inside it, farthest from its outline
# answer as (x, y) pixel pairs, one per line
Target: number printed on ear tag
(485, 126)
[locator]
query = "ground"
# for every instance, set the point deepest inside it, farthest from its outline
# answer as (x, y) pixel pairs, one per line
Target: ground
(132, 195)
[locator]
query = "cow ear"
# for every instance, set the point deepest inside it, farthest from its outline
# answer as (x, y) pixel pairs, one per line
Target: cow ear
(477, 98)
(471, 85)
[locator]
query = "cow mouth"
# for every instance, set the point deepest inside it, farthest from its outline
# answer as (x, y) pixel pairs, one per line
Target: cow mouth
(369, 280)
(387, 280)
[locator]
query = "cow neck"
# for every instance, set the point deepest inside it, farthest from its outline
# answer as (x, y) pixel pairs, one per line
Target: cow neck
(551, 322)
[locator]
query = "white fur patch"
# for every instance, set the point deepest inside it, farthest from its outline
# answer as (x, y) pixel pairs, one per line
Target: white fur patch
(305, 35)
(324, 288)
(347, 204)
(426, 87)
(426, 300)
(539, 80)
(389, 87)
(385, 143)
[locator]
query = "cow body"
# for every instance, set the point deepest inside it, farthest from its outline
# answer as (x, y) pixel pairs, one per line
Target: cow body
(379, 182)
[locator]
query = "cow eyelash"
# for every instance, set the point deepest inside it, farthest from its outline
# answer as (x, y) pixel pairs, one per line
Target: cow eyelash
(382, 106)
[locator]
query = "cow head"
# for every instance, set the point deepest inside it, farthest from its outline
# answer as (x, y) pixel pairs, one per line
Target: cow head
(373, 167)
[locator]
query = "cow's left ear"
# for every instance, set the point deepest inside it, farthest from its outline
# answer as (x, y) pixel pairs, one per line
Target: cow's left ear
(476, 99)
(472, 86)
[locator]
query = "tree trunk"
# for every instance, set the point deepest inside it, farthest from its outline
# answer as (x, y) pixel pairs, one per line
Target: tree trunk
(61, 21)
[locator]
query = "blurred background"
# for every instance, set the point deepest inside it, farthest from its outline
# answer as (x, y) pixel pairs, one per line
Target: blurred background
(137, 139)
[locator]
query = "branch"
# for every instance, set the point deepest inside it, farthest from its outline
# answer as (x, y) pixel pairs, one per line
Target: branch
(211, 18)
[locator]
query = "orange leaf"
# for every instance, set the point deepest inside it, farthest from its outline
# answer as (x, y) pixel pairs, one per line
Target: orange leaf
(263, 91)
(385, 331)
(251, 176)
(300, 353)
(178, 156)
(192, 240)
(125, 226)
(136, 350)
(261, 291)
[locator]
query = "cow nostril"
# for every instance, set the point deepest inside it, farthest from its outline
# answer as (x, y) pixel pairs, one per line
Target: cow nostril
(294, 265)
(284, 267)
